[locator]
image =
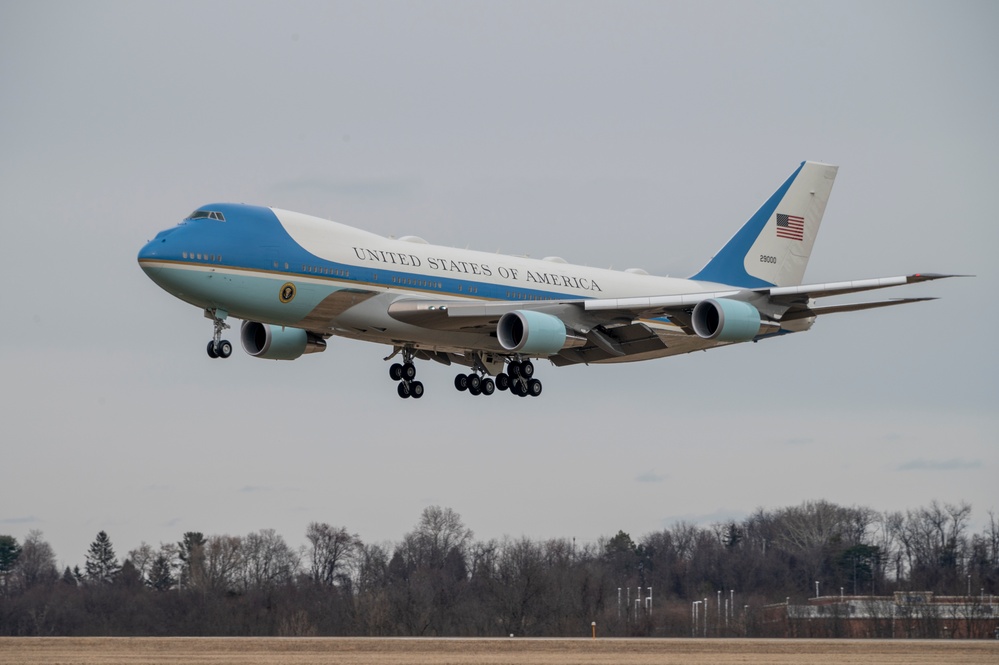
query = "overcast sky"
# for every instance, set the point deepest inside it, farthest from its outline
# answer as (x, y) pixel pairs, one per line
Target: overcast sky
(613, 134)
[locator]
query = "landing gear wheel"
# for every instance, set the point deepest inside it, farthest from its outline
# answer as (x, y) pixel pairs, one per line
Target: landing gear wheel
(403, 389)
(408, 371)
(416, 390)
(474, 391)
(487, 387)
(395, 372)
(502, 381)
(474, 381)
(517, 388)
(218, 347)
(461, 382)
(534, 387)
(513, 369)
(527, 369)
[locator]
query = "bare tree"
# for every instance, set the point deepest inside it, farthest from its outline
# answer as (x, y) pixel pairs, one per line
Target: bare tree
(936, 545)
(268, 561)
(333, 548)
(143, 558)
(36, 563)
(223, 560)
(439, 533)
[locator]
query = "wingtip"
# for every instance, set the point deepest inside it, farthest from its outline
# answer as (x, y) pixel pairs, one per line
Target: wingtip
(929, 276)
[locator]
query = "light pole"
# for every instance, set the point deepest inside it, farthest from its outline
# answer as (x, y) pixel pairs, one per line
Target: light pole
(816, 588)
(705, 617)
(693, 617)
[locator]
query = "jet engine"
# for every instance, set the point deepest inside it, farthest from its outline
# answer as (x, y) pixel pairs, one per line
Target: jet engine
(270, 342)
(531, 333)
(726, 320)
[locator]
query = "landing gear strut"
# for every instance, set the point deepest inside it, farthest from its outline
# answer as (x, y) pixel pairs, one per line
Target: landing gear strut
(218, 347)
(405, 374)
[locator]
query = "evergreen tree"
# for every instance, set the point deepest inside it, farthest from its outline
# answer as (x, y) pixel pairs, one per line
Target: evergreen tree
(160, 577)
(9, 551)
(102, 564)
(191, 552)
(129, 576)
(619, 544)
(68, 578)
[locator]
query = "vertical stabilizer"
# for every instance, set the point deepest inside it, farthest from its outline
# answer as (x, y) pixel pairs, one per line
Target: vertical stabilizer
(773, 247)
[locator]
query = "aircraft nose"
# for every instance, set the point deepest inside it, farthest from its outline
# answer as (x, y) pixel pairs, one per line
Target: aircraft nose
(157, 248)
(149, 250)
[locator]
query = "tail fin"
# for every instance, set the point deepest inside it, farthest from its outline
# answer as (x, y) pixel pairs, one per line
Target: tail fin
(773, 247)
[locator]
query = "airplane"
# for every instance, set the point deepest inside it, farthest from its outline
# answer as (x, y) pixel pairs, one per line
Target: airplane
(296, 281)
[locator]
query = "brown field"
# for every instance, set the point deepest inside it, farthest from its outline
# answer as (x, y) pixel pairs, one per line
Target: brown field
(374, 651)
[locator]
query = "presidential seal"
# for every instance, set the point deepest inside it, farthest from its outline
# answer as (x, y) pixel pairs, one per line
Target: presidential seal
(287, 292)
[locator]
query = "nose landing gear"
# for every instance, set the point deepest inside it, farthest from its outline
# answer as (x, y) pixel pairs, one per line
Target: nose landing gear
(218, 347)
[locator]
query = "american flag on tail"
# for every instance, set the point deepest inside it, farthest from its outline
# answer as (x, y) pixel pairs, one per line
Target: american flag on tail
(791, 227)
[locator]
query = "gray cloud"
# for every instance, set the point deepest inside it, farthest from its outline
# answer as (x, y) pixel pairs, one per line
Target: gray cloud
(952, 464)
(370, 188)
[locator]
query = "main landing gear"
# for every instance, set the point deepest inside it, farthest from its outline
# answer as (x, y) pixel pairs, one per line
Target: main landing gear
(218, 347)
(518, 379)
(405, 374)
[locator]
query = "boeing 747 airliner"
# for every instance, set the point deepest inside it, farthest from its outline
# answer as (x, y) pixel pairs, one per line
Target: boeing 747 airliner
(297, 280)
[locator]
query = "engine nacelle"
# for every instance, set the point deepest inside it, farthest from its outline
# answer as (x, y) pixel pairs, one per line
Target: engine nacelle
(726, 320)
(262, 340)
(532, 333)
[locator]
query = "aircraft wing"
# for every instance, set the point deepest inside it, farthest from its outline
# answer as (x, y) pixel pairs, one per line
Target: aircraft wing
(613, 327)
(784, 295)
(466, 315)
(807, 291)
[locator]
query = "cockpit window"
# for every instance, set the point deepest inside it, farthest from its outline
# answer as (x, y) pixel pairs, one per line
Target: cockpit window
(206, 214)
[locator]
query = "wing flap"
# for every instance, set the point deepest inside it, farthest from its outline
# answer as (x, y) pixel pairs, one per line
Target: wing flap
(806, 312)
(608, 343)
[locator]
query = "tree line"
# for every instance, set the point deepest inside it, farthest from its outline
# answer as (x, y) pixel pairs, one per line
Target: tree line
(438, 580)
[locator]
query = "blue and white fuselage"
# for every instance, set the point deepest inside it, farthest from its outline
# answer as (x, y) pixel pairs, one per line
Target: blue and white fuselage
(296, 280)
